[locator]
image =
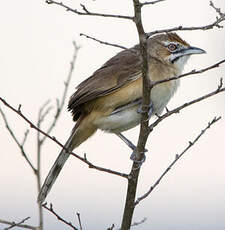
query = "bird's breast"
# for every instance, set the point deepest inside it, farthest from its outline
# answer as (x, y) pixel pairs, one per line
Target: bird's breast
(162, 93)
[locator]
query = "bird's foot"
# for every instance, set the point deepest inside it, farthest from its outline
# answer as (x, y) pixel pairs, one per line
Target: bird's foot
(138, 161)
(149, 108)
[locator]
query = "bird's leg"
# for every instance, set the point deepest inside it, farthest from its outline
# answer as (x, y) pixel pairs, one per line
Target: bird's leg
(133, 147)
(149, 107)
(128, 142)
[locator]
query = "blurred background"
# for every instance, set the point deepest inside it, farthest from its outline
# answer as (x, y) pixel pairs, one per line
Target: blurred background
(35, 52)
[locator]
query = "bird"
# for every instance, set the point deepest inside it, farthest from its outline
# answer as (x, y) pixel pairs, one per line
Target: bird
(111, 98)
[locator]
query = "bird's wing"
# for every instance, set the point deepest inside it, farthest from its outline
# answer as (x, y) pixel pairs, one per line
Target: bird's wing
(120, 70)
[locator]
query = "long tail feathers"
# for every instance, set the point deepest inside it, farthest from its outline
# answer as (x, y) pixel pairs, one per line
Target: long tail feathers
(55, 170)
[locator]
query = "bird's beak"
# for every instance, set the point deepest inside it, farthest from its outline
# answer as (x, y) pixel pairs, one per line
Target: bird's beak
(193, 50)
(185, 52)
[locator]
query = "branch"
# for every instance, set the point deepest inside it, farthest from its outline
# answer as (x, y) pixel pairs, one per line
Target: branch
(218, 10)
(138, 223)
(21, 146)
(216, 23)
(87, 12)
(151, 3)
(79, 220)
(111, 228)
(178, 109)
(143, 135)
(44, 111)
(192, 72)
(50, 209)
(90, 165)
(19, 224)
(178, 156)
(60, 103)
(83, 159)
(105, 43)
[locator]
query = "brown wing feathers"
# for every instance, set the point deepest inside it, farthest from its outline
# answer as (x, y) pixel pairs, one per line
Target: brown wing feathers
(118, 71)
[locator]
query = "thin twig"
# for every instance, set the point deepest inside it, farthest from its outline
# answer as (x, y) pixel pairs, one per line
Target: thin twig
(112, 227)
(21, 146)
(192, 72)
(25, 137)
(79, 220)
(60, 103)
(19, 224)
(138, 223)
(216, 23)
(43, 112)
(133, 224)
(151, 3)
(16, 224)
(83, 159)
(50, 209)
(90, 165)
(218, 10)
(179, 108)
(87, 12)
(104, 43)
(178, 156)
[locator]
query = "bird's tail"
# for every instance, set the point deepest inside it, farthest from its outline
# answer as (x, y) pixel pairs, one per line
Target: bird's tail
(80, 133)
(55, 170)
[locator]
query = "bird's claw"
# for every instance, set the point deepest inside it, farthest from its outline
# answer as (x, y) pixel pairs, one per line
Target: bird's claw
(149, 107)
(133, 157)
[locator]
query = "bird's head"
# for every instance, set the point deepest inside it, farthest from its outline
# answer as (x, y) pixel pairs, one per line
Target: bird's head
(171, 49)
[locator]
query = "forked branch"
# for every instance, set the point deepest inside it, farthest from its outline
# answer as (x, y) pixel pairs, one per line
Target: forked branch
(60, 218)
(87, 12)
(177, 157)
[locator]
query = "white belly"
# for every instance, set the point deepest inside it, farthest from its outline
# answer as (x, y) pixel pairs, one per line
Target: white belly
(121, 121)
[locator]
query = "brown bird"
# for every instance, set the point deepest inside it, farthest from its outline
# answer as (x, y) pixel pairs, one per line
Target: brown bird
(110, 99)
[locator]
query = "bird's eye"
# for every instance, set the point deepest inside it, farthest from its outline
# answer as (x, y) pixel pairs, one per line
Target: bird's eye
(172, 47)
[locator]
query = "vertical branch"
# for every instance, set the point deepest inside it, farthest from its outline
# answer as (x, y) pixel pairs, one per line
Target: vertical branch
(38, 176)
(134, 174)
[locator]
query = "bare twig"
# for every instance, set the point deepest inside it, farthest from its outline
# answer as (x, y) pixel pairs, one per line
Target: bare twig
(218, 10)
(151, 2)
(87, 12)
(102, 42)
(192, 72)
(25, 137)
(179, 108)
(178, 156)
(19, 224)
(79, 220)
(112, 227)
(60, 103)
(133, 224)
(50, 209)
(90, 165)
(216, 23)
(83, 159)
(139, 222)
(16, 224)
(43, 112)
(21, 146)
